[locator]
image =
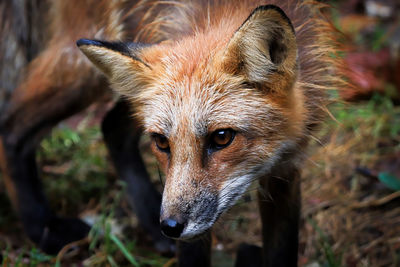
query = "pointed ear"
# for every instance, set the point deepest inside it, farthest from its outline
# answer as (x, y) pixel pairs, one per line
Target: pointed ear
(264, 49)
(120, 62)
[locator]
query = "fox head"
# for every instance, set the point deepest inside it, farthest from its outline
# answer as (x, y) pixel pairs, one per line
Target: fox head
(221, 107)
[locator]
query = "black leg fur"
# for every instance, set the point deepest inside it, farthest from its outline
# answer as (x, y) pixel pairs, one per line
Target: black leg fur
(122, 134)
(195, 253)
(249, 256)
(279, 203)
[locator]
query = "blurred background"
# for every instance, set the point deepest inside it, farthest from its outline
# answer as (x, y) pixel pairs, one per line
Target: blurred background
(351, 180)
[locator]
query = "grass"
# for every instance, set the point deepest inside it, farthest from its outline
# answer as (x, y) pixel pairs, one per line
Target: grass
(378, 117)
(75, 159)
(329, 259)
(349, 218)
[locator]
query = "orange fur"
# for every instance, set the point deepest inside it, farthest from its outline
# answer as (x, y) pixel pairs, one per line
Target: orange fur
(12, 192)
(216, 67)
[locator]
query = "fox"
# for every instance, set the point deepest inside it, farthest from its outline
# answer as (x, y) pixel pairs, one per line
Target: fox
(230, 93)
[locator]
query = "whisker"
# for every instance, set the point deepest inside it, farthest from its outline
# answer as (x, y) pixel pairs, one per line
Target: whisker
(231, 182)
(160, 176)
(280, 178)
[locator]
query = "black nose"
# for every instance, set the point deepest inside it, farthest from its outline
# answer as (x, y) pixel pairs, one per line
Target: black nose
(172, 228)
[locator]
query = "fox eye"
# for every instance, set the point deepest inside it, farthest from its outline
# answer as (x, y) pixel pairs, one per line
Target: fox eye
(221, 138)
(161, 142)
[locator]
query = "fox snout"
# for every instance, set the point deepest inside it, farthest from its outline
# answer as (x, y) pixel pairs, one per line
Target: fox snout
(183, 217)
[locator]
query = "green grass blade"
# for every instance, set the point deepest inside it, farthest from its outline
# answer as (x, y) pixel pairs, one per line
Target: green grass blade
(389, 181)
(111, 261)
(124, 251)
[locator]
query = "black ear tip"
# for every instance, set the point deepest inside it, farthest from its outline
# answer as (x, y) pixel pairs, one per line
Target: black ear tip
(81, 42)
(275, 8)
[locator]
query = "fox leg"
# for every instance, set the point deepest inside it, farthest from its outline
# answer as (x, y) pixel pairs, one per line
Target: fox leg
(121, 134)
(279, 202)
(196, 253)
(248, 256)
(22, 126)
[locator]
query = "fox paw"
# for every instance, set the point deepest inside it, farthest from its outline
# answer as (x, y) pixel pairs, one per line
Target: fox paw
(57, 233)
